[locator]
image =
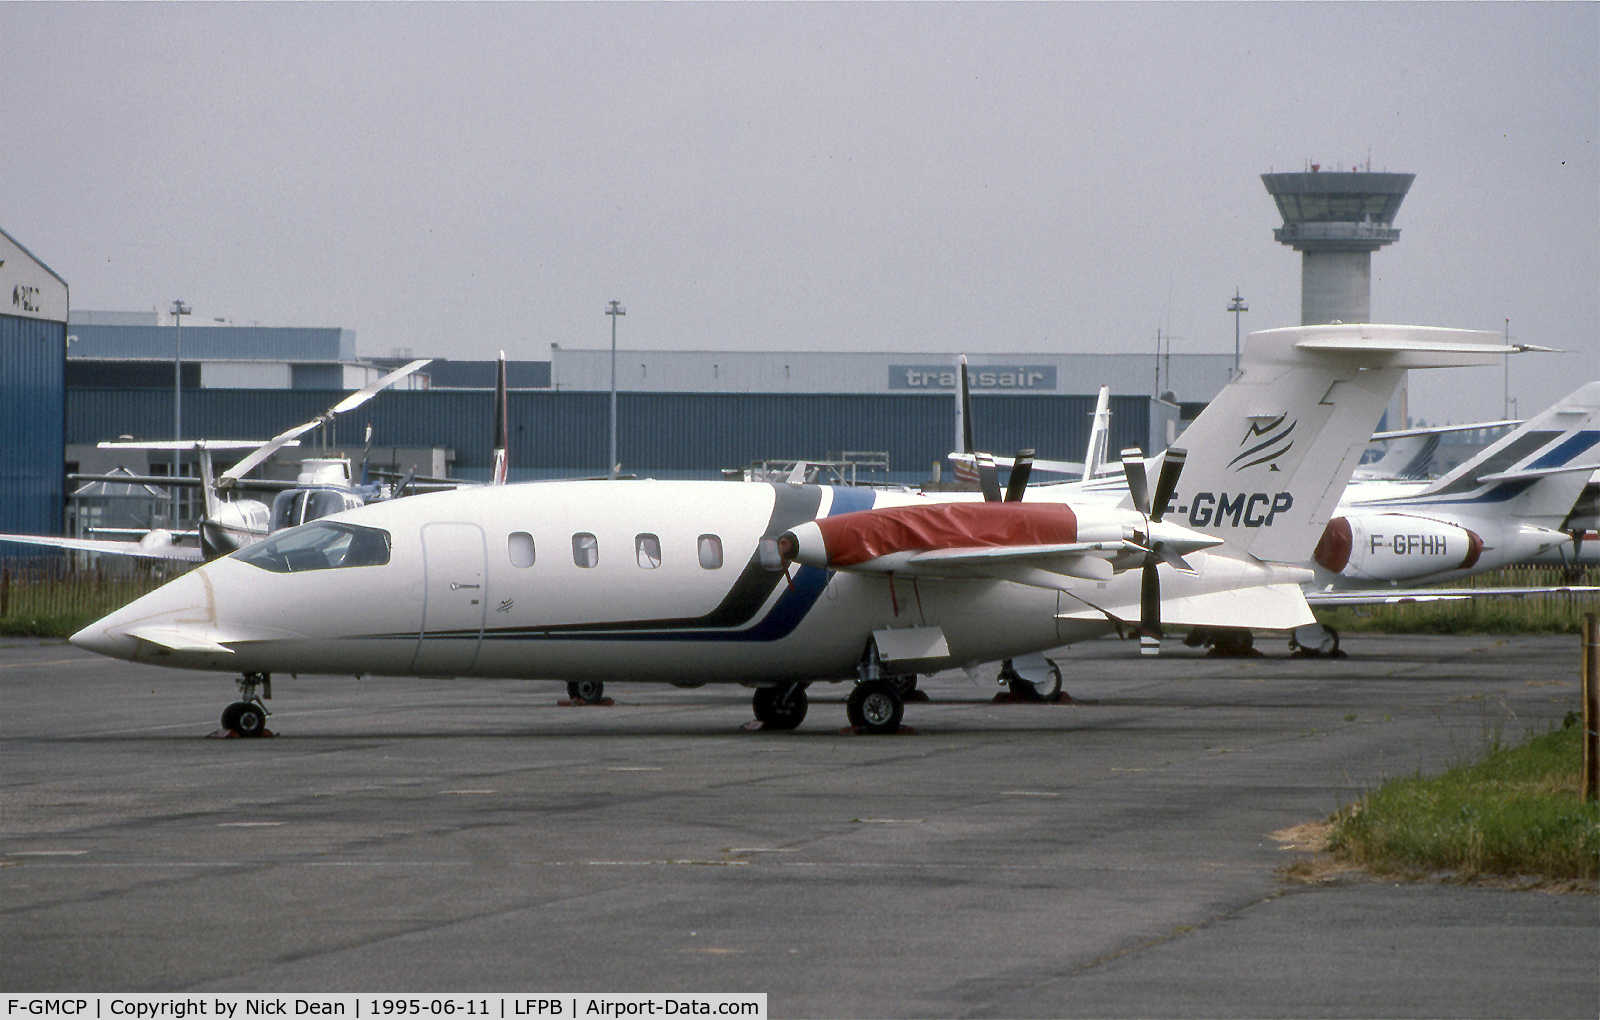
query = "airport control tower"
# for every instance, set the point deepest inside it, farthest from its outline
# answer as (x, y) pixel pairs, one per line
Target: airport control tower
(1336, 221)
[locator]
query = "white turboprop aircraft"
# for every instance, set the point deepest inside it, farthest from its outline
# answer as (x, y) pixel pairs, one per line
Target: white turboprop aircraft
(776, 586)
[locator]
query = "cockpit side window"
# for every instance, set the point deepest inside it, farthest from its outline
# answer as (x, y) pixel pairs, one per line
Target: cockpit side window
(325, 546)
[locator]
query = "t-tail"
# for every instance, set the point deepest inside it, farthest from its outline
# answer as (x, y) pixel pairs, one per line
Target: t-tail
(1534, 473)
(1270, 456)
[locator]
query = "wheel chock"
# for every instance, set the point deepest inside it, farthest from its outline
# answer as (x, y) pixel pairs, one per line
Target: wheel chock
(1059, 698)
(228, 734)
(1312, 653)
(580, 703)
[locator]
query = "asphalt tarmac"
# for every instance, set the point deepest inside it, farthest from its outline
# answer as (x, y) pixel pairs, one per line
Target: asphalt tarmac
(1112, 857)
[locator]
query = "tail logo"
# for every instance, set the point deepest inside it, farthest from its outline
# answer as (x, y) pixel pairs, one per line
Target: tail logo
(1269, 441)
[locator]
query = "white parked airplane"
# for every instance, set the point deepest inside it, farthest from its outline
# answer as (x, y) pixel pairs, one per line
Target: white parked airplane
(776, 586)
(1503, 507)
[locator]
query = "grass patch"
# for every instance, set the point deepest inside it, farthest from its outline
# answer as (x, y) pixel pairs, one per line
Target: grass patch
(54, 596)
(1555, 613)
(1515, 813)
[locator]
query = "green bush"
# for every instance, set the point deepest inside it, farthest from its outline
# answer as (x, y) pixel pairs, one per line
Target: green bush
(1516, 812)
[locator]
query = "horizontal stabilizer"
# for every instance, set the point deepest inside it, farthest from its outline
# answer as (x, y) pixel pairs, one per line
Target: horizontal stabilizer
(1385, 346)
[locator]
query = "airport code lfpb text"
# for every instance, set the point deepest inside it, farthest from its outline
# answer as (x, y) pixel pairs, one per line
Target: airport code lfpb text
(566, 1006)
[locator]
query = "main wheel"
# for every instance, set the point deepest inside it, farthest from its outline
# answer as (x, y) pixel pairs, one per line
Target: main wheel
(586, 690)
(875, 707)
(1330, 641)
(782, 707)
(245, 718)
(1027, 690)
(1232, 641)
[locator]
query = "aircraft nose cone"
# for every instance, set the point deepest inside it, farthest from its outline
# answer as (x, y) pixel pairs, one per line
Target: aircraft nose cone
(104, 637)
(117, 634)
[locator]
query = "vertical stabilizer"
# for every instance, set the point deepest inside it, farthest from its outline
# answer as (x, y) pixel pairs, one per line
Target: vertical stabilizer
(1270, 456)
(502, 425)
(1535, 473)
(1094, 458)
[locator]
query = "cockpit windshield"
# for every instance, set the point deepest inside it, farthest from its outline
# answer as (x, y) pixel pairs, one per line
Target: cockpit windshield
(321, 546)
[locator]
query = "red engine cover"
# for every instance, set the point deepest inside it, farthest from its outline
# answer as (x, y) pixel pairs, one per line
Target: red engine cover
(868, 534)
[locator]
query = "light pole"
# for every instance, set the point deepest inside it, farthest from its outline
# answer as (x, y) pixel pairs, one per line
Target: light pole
(614, 309)
(1236, 306)
(179, 310)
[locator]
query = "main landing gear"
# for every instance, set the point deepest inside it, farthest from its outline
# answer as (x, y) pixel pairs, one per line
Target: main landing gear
(1315, 640)
(1044, 685)
(248, 716)
(781, 707)
(876, 705)
(587, 691)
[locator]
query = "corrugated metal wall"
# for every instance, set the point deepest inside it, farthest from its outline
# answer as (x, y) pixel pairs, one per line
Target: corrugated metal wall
(32, 448)
(669, 434)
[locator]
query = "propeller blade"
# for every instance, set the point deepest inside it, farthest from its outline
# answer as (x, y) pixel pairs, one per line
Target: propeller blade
(1138, 484)
(988, 478)
(1021, 468)
(1167, 481)
(1150, 599)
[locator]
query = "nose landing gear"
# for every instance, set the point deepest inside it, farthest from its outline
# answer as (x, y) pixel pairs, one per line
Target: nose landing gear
(248, 716)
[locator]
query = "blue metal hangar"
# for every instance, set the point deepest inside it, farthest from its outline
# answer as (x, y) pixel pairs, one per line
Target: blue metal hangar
(681, 414)
(33, 356)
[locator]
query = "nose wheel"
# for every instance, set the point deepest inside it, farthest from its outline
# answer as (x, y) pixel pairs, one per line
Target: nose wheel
(248, 716)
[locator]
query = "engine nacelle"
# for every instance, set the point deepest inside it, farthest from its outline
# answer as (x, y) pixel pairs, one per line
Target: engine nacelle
(1395, 547)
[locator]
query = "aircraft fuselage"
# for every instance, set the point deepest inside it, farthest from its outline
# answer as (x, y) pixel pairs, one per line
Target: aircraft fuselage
(611, 581)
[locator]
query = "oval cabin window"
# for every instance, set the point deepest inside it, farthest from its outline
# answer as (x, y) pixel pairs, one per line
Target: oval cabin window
(585, 550)
(711, 552)
(648, 550)
(520, 545)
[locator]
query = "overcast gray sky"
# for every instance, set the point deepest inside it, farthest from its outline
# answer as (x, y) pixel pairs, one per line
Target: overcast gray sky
(456, 179)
